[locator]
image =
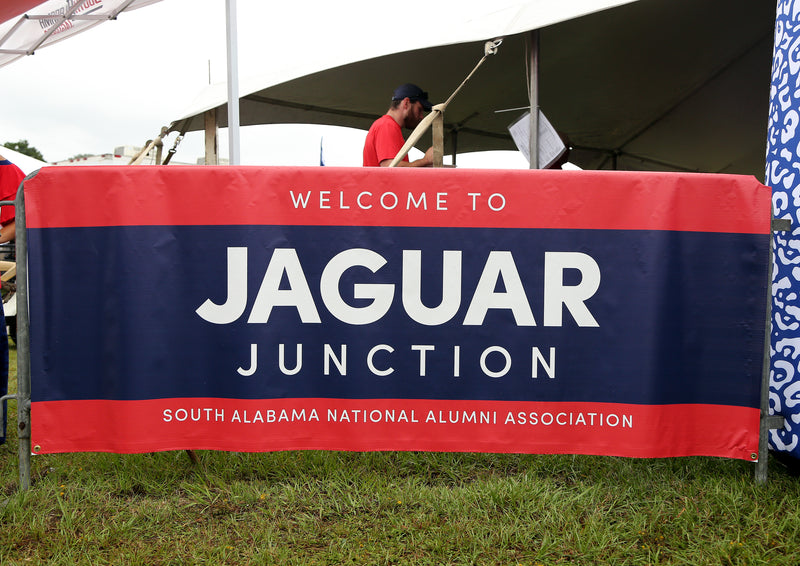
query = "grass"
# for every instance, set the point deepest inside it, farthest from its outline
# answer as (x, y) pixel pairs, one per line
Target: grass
(304, 508)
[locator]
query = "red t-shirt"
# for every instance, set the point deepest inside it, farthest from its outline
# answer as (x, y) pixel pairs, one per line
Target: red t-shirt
(10, 178)
(384, 140)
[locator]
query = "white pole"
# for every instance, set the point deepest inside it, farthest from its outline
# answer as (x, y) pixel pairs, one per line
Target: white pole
(233, 83)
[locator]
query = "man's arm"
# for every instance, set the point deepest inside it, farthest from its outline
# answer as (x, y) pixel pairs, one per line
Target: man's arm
(8, 232)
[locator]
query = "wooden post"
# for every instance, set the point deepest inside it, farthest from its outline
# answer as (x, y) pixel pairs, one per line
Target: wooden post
(454, 142)
(159, 151)
(438, 140)
(211, 137)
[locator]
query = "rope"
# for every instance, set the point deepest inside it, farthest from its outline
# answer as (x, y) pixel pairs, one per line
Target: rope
(489, 48)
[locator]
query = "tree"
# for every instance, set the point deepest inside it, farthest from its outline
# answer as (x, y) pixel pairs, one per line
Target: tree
(23, 147)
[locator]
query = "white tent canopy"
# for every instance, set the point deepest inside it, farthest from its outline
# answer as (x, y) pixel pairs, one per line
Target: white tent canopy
(28, 25)
(466, 21)
(443, 23)
(652, 84)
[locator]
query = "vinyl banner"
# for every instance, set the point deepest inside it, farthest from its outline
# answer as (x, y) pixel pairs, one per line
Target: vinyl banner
(270, 308)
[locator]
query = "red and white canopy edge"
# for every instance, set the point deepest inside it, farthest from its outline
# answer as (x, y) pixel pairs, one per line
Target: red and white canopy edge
(28, 25)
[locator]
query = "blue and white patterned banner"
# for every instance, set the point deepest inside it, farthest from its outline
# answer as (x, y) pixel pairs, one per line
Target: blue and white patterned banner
(783, 174)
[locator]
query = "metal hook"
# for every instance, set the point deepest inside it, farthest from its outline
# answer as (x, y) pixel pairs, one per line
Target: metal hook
(490, 47)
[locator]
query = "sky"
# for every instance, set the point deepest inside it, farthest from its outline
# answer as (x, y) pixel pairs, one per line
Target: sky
(121, 81)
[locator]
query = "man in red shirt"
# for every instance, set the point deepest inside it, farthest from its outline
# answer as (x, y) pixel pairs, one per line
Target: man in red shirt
(10, 178)
(385, 136)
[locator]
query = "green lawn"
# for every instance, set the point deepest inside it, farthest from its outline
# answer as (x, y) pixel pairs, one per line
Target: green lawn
(394, 508)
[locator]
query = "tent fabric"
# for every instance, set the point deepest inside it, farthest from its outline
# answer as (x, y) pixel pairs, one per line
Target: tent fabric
(26, 26)
(474, 21)
(648, 85)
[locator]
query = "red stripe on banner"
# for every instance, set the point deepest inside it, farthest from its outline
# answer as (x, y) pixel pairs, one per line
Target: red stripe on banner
(185, 195)
(395, 424)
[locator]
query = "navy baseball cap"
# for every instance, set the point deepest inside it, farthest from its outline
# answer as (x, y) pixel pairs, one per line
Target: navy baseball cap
(414, 93)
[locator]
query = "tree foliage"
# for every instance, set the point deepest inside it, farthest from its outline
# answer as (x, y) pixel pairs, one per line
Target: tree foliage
(22, 146)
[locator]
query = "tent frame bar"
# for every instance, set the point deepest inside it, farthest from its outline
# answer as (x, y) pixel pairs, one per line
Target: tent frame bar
(23, 395)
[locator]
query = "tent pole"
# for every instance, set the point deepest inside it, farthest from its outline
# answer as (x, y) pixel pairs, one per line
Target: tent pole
(534, 96)
(233, 83)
